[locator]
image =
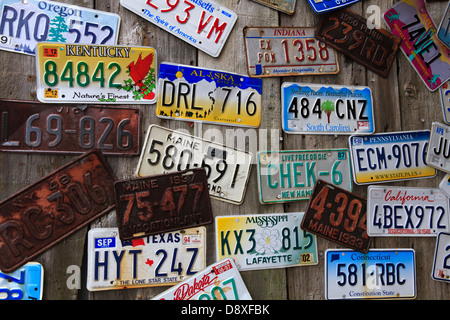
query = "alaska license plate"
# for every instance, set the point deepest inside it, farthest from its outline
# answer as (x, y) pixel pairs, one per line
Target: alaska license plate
(191, 93)
(285, 6)
(25, 283)
(378, 274)
(438, 154)
(205, 25)
(287, 51)
(321, 6)
(441, 262)
(69, 73)
(443, 32)
(285, 176)
(25, 23)
(444, 92)
(227, 169)
(326, 109)
(265, 241)
(387, 157)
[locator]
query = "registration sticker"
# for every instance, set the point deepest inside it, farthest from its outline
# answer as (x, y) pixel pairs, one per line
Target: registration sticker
(441, 263)
(438, 154)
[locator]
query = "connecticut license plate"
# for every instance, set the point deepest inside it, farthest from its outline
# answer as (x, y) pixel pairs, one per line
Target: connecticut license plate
(438, 154)
(444, 92)
(285, 6)
(68, 73)
(320, 6)
(441, 264)
(26, 283)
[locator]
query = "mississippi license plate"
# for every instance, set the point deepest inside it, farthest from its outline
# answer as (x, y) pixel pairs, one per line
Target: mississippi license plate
(26, 283)
(285, 6)
(378, 274)
(54, 207)
(70, 73)
(197, 94)
(265, 241)
(227, 169)
(332, 109)
(438, 154)
(25, 23)
(285, 176)
(321, 6)
(219, 281)
(284, 51)
(443, 32)
(444, 92)
(441, 263)
(205, 25)
(389, 157)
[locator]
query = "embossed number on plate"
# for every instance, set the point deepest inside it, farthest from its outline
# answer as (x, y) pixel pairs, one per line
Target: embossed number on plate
(438, 154)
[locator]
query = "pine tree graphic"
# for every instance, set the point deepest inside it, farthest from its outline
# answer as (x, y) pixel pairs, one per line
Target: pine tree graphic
(57, 27)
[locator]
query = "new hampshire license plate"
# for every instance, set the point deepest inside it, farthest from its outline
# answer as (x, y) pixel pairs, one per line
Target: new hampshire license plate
(25, 283)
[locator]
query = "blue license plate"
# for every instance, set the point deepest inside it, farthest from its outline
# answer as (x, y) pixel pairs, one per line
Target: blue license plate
(25, 283)
(321, 6)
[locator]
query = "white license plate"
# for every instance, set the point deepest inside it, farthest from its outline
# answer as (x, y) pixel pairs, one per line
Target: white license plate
(25, 283)
(444, 185)
(444, 92)
(441, 265)
(438, 154)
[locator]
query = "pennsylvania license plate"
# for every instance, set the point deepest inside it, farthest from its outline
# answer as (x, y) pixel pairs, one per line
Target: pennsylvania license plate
(159, 260)
(25, 23)
(441, 264)
(443, 32)
(320, 6)
(26, 283)
(438, 154)
(284, 51)
(196, 94)
(285, 176)
(285, 6)
(326, 109)
(205, 25)
(68, 73)
(389, 157)
(378, 274)
(444, 92)
(265, 241)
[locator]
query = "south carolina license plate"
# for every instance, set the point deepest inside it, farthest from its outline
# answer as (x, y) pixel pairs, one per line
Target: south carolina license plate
(26, 283)
(320, 6)
(441, 263)
(438, 154)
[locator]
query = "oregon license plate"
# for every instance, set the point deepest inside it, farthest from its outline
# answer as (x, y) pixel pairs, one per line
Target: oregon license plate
(438, 154)
(197, 94)
(265, 241)
(320, 6)
(326, 109)
(287, 51)
(443, 32)
(69, 73)
(378, 274)
(285, 6)
(285, 176)
(444, 92)
(441, 262)
(25, 283)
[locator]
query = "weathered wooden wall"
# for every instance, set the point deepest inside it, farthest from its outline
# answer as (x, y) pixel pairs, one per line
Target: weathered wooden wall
(401, 102)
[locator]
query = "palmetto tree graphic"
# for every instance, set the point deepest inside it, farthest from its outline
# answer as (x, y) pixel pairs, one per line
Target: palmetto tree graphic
(328, 108)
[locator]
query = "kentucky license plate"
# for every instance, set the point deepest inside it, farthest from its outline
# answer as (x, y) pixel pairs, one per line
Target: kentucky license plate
(265, 241)
(26, 283)
(321, 6)
(25, 23)
(378, 274)
(438, 154)
(197, 94)
(68, 73)
(326, 109)
(284, 51)
(441, 263)
(444, 92)
(205, 25)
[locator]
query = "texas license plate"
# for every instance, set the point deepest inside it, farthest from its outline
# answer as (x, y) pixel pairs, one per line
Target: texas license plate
(26, 283)
(197, 94)
(389, 157)
(70, 73)
(205, 25)
(443, 32)
(321, 6)
(438, 154)
(46, 128)
(378, 274)
(285, 51)
(265, 241)
(441, 263)
(444, 92)
(25, 23)
(285, 6)
(227, 169)
(285, 176)
(159, 260)
(326, 109)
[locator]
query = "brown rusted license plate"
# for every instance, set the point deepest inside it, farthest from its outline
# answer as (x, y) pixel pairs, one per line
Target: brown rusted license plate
(337, 215)
(39, 216)
(162, 203)
(348, 33)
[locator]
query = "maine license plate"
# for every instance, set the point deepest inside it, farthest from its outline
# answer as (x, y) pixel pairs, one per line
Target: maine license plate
(285, 6)
(444, 92)
(389, 157)
(321, 6)
(25, 23)
(197, 94)
(443, 32)
(379, 274)
(159, 260)
(26, 283)
(265, 241)
(285, 176)
(227, 169)
(205, 25)
(322, 109)
(441, 263)
(438, 154)
(287, 51)
(68, 73)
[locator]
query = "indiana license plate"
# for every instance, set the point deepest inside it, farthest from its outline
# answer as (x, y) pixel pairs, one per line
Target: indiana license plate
(378, 274)
(326, 109)
(265, 241)
(444, 92)
(285, 176)
(441, 262)
(285, 6)
(438, 154)
(70, 73)
(26, 283)
(285, 51)
(197, 94)
(321, 6)
(23, 24)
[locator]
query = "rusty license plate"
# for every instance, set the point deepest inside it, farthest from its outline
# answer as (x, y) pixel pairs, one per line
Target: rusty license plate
(39, 216)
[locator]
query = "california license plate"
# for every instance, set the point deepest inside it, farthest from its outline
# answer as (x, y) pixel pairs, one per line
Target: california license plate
(444, 92)
(287, 51)
(441, 263)
(438, 154)
(443, 32)
(285, 6)
(205, 25)
(71, 73)
(159, 260)
(285, 176)
(378, 274)
(197, 94)
(25, 283)
(321, 6)
(265, 241)
(23, 24)
(326, 109)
